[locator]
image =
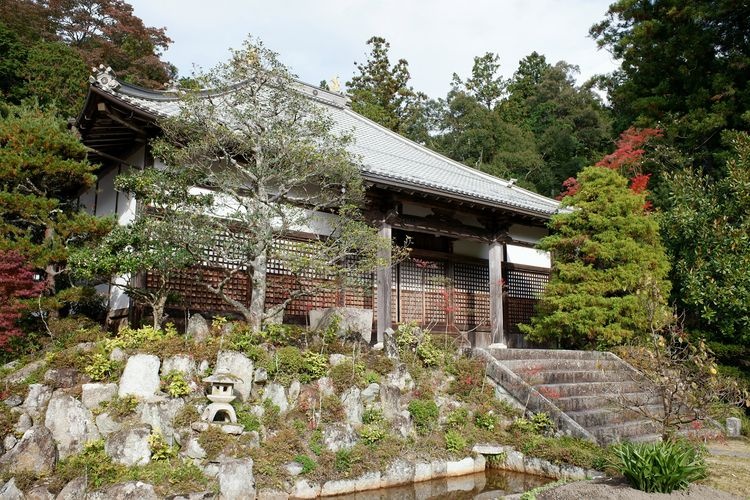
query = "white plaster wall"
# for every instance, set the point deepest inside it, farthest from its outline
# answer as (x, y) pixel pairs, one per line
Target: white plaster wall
(527, 256)
(528, 234)
(469, 248)
(106, 194)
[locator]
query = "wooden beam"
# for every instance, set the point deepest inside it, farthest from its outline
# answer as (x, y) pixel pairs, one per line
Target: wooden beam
(496, 295)
(113, 116)
(384, 284)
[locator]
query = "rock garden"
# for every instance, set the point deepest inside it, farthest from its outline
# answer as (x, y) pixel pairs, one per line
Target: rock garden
(284, 412)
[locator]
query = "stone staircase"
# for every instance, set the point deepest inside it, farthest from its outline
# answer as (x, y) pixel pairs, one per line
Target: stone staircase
(578, 389)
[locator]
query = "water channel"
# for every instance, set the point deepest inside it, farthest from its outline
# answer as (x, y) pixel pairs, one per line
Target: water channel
(481, 486)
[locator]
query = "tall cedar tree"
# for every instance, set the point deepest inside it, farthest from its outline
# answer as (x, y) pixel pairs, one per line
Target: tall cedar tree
(608, 259)
(382, 93)
(274, 159)
(43, 167)
(684, 68)
(16, 284)
(706, 229)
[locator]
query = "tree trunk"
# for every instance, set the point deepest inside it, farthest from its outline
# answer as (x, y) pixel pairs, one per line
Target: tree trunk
(157, 308)
(258, 298)
(50, 273)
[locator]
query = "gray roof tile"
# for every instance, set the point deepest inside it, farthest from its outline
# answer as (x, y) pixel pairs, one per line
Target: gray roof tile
(386, 156)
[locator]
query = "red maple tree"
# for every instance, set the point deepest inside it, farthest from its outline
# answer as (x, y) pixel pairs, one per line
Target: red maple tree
(16, 283)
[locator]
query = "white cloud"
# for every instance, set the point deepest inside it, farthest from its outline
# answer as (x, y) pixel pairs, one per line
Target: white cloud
(321, 39)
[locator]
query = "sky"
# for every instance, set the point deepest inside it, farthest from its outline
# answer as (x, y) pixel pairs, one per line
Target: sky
(319, 40)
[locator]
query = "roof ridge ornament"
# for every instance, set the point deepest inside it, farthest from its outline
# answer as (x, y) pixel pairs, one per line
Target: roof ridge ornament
(104, 77)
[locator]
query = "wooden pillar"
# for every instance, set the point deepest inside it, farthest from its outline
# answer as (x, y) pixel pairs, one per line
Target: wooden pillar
(383, 281)
(496, 294)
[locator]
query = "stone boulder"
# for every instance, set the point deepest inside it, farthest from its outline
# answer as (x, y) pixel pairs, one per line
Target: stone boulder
(92, 395)
(129, 446)
(390, 400)
(74, 490)
(236, 480)
(106, 424)
(160, 416)
(401, 378)
(72, 424)
(198, 329)
(35, 453)
(338, 437)
(10, 491)
(62, 377)
(179, 363)
(241, 367)
(125, 491)
(277, 395)
(39, 493)
(20, 375)
(25, 422)
(370, 393)
(36, 399)
(141, 377)
(353, 408)
(350, 320)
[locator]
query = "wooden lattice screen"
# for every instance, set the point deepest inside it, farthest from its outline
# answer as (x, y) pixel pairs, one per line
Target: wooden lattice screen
(523, 288)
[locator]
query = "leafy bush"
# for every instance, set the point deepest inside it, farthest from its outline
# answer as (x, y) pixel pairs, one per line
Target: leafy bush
(101, 368)
(307, 463)
(118, 407)
(413, 341)
(425, 414)
(316, 442)
(245, 418)
(343, 461)
(458, 418)
(347, 374)
(660, 467)
(92, 462)
(314, 366)
(487, 421)
(454, 442)
(332, 409)
(129, 338)
(372, 416)
(371, 433)
(539, 423)
(213, 441)
(160, 450)
(175, 385)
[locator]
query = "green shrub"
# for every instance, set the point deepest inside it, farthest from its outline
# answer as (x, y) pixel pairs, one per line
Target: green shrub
(101, 368)
(129, 338)
(160, 450)
(316, 442)
(487, 421)
(372, 415)
(307, 463)
(539, 423)
(175, 385)
(343, 461)
(331, 409)
(371, 433)
(118, 407)
(245, 418)
(371, 377)
(454, 442)
(347, 374)
(458, 418)
(314, 366)
(413, 341)
(213, 441)
(93, 463)
(425, 414)
(271, 414)
(660, 467)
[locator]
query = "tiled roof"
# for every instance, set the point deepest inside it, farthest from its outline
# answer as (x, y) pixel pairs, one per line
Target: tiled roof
(387, 158)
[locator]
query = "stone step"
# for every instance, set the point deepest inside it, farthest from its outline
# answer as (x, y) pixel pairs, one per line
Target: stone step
(624, 431)
(545, 354)
(607, 416)
(581, 403)
(524, 367)
(606, 390)
(576, 376)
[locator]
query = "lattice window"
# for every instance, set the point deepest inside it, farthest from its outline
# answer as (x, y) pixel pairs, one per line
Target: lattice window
(524, 287)
(190, 293)
(471, 295)
(422, 287)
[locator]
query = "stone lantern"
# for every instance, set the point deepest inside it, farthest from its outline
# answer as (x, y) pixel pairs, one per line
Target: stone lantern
(221, 394)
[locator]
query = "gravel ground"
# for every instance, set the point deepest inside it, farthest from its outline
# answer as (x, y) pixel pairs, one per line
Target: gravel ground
(612, 489)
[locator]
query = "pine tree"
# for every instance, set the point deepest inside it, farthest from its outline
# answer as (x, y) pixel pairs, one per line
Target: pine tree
(608, 262)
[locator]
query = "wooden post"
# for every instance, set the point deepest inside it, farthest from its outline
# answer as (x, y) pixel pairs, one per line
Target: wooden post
(383, 280)
(496, 294)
